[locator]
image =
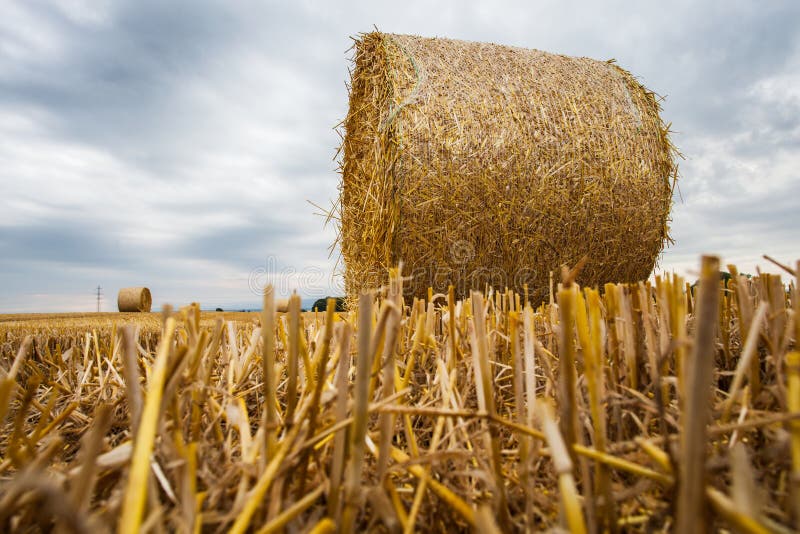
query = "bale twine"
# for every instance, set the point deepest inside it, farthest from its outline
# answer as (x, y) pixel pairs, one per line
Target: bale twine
(134, 299)
(482, 164)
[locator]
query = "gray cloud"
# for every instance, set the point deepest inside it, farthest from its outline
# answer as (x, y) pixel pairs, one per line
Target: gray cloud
(62, 242)
(176, 144)
(242, 245)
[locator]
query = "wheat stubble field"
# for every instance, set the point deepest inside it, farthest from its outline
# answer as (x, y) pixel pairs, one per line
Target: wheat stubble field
(632, 407)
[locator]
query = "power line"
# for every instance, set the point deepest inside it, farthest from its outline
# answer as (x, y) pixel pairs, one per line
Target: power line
(99, 297)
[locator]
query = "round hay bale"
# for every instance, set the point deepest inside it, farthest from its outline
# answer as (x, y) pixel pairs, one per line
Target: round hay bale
(281, 305)
(480, 164)
(134, 299)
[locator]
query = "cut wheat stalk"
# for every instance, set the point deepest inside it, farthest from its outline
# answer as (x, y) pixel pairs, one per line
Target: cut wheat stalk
(691, 514)
(133, 505)
(358, 431)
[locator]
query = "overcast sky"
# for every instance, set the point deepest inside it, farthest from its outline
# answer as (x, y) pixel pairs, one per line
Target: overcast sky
(178, 144)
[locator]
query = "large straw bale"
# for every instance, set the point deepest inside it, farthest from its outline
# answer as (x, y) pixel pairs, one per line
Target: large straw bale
(477, 163)
(134, 299)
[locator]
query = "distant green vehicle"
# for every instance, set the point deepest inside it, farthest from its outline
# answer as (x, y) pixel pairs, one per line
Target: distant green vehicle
(322, 304)
(724, 276)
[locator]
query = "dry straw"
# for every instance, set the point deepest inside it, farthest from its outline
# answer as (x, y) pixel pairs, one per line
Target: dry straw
(435, 417)
(134, 299)
(477, 163)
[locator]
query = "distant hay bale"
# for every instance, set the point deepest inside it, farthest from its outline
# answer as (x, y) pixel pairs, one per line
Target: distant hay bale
(134, 299)
(481, 164)
(282, 305)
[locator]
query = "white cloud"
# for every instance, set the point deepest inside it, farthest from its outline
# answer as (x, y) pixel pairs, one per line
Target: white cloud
(26, 38)
(85, 12)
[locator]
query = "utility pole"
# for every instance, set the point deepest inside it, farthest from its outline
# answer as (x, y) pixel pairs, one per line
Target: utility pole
(99, 297)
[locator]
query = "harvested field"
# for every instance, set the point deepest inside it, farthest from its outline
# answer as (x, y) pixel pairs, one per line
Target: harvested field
(60, 322)
(636, 407)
